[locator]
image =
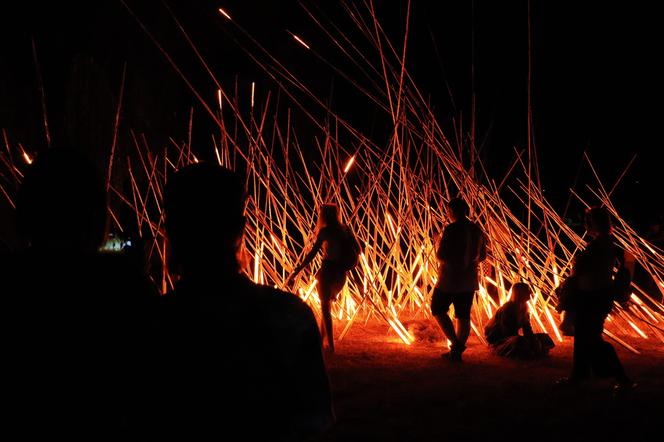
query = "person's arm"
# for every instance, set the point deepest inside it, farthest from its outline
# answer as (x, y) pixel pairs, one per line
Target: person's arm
(527, 328)
(443, 246)
(308, 258)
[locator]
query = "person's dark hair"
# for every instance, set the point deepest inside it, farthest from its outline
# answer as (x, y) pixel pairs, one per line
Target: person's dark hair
(459, 207)
(598, 220)
(329, 215)
(62, 203)
(521, 292)
(203, 208)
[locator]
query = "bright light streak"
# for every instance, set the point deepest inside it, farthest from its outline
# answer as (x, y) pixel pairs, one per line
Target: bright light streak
(276, 243)
(253, 88)
(349, 163)
(553, 324)
(403, 337)
(636, 299)
(219, 99)
(299, 40)
(638, 330)
(216, 152)
(225, 14)
(649, 314)
(27, 158)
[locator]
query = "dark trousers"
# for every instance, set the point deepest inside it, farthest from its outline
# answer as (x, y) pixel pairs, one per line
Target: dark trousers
(593, 356)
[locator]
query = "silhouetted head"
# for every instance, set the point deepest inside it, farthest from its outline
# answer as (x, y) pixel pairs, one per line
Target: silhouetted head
(598, 221)
(521, 292)
(458, 209)
(61, 203)
(328, 216)
(203, 207)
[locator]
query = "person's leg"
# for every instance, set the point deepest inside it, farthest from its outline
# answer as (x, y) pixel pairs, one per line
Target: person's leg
(583, 347)
(463, 331)
(447, 326)
(327, 321)
(440, 304)
(462, 305)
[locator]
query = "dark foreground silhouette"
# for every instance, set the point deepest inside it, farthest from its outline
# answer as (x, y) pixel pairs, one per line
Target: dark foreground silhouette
(238, 359)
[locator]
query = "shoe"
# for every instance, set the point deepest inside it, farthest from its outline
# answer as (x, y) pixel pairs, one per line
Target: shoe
(625, 385)
(454, 355)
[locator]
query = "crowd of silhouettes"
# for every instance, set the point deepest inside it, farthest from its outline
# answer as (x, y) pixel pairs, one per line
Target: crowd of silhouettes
(94, 353)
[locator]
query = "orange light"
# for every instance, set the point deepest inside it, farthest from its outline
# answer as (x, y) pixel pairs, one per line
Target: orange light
(299, 40)
(349, 163)
(225, 14)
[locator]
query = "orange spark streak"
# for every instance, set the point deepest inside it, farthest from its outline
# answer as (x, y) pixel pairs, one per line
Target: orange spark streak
(299, 40)
(27, 158)
(349, 163)
(216, 152)
(403, 337)
(553, 324)
(219, 98)
(225, 14)
(253, 86)
(638, 330)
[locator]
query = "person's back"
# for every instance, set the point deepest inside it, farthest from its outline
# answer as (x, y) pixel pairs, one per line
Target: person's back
(243, 359)
(239, 358)
(506, 322)
(461, 250)
(74, 321)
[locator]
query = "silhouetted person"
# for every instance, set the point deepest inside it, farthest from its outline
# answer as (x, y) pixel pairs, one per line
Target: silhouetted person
(75, 321)
(340, 252)
(591, 303)
(461, 249)
(240, 360)
(502, 331)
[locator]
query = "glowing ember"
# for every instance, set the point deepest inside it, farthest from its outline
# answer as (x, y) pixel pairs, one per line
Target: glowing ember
(224, 13)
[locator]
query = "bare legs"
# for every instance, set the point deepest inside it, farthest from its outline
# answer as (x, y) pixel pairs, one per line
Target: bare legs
(328, 332)
(459, 337)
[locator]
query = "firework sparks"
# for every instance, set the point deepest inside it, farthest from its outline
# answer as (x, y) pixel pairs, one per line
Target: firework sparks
(224, 13)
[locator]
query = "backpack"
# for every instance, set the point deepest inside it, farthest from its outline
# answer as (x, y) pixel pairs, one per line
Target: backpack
(350, 251)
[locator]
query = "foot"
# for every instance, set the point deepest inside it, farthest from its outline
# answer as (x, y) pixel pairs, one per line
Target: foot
(624, 385)
(454, 355)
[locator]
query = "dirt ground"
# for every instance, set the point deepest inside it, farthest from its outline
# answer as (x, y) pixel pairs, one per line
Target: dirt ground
(385, 390)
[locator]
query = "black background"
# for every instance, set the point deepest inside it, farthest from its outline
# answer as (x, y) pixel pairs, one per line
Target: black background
(595, 76)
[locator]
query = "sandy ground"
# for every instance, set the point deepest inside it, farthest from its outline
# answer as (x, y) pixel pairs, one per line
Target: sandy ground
(388, 391)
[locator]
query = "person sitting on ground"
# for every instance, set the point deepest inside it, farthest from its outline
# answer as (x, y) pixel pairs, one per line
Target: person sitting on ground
(502, 331)
(239, 358)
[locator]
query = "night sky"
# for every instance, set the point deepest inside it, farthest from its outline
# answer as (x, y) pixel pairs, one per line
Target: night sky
(595, 75)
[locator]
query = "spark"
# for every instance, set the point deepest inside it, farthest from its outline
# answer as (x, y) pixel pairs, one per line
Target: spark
(27, 158)
(638, 330)
(299, 40)
(253, 85)
(225, 14)
(349, 163)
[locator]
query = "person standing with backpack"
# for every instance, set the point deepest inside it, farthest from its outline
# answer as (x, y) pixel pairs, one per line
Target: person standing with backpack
(341, 253)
